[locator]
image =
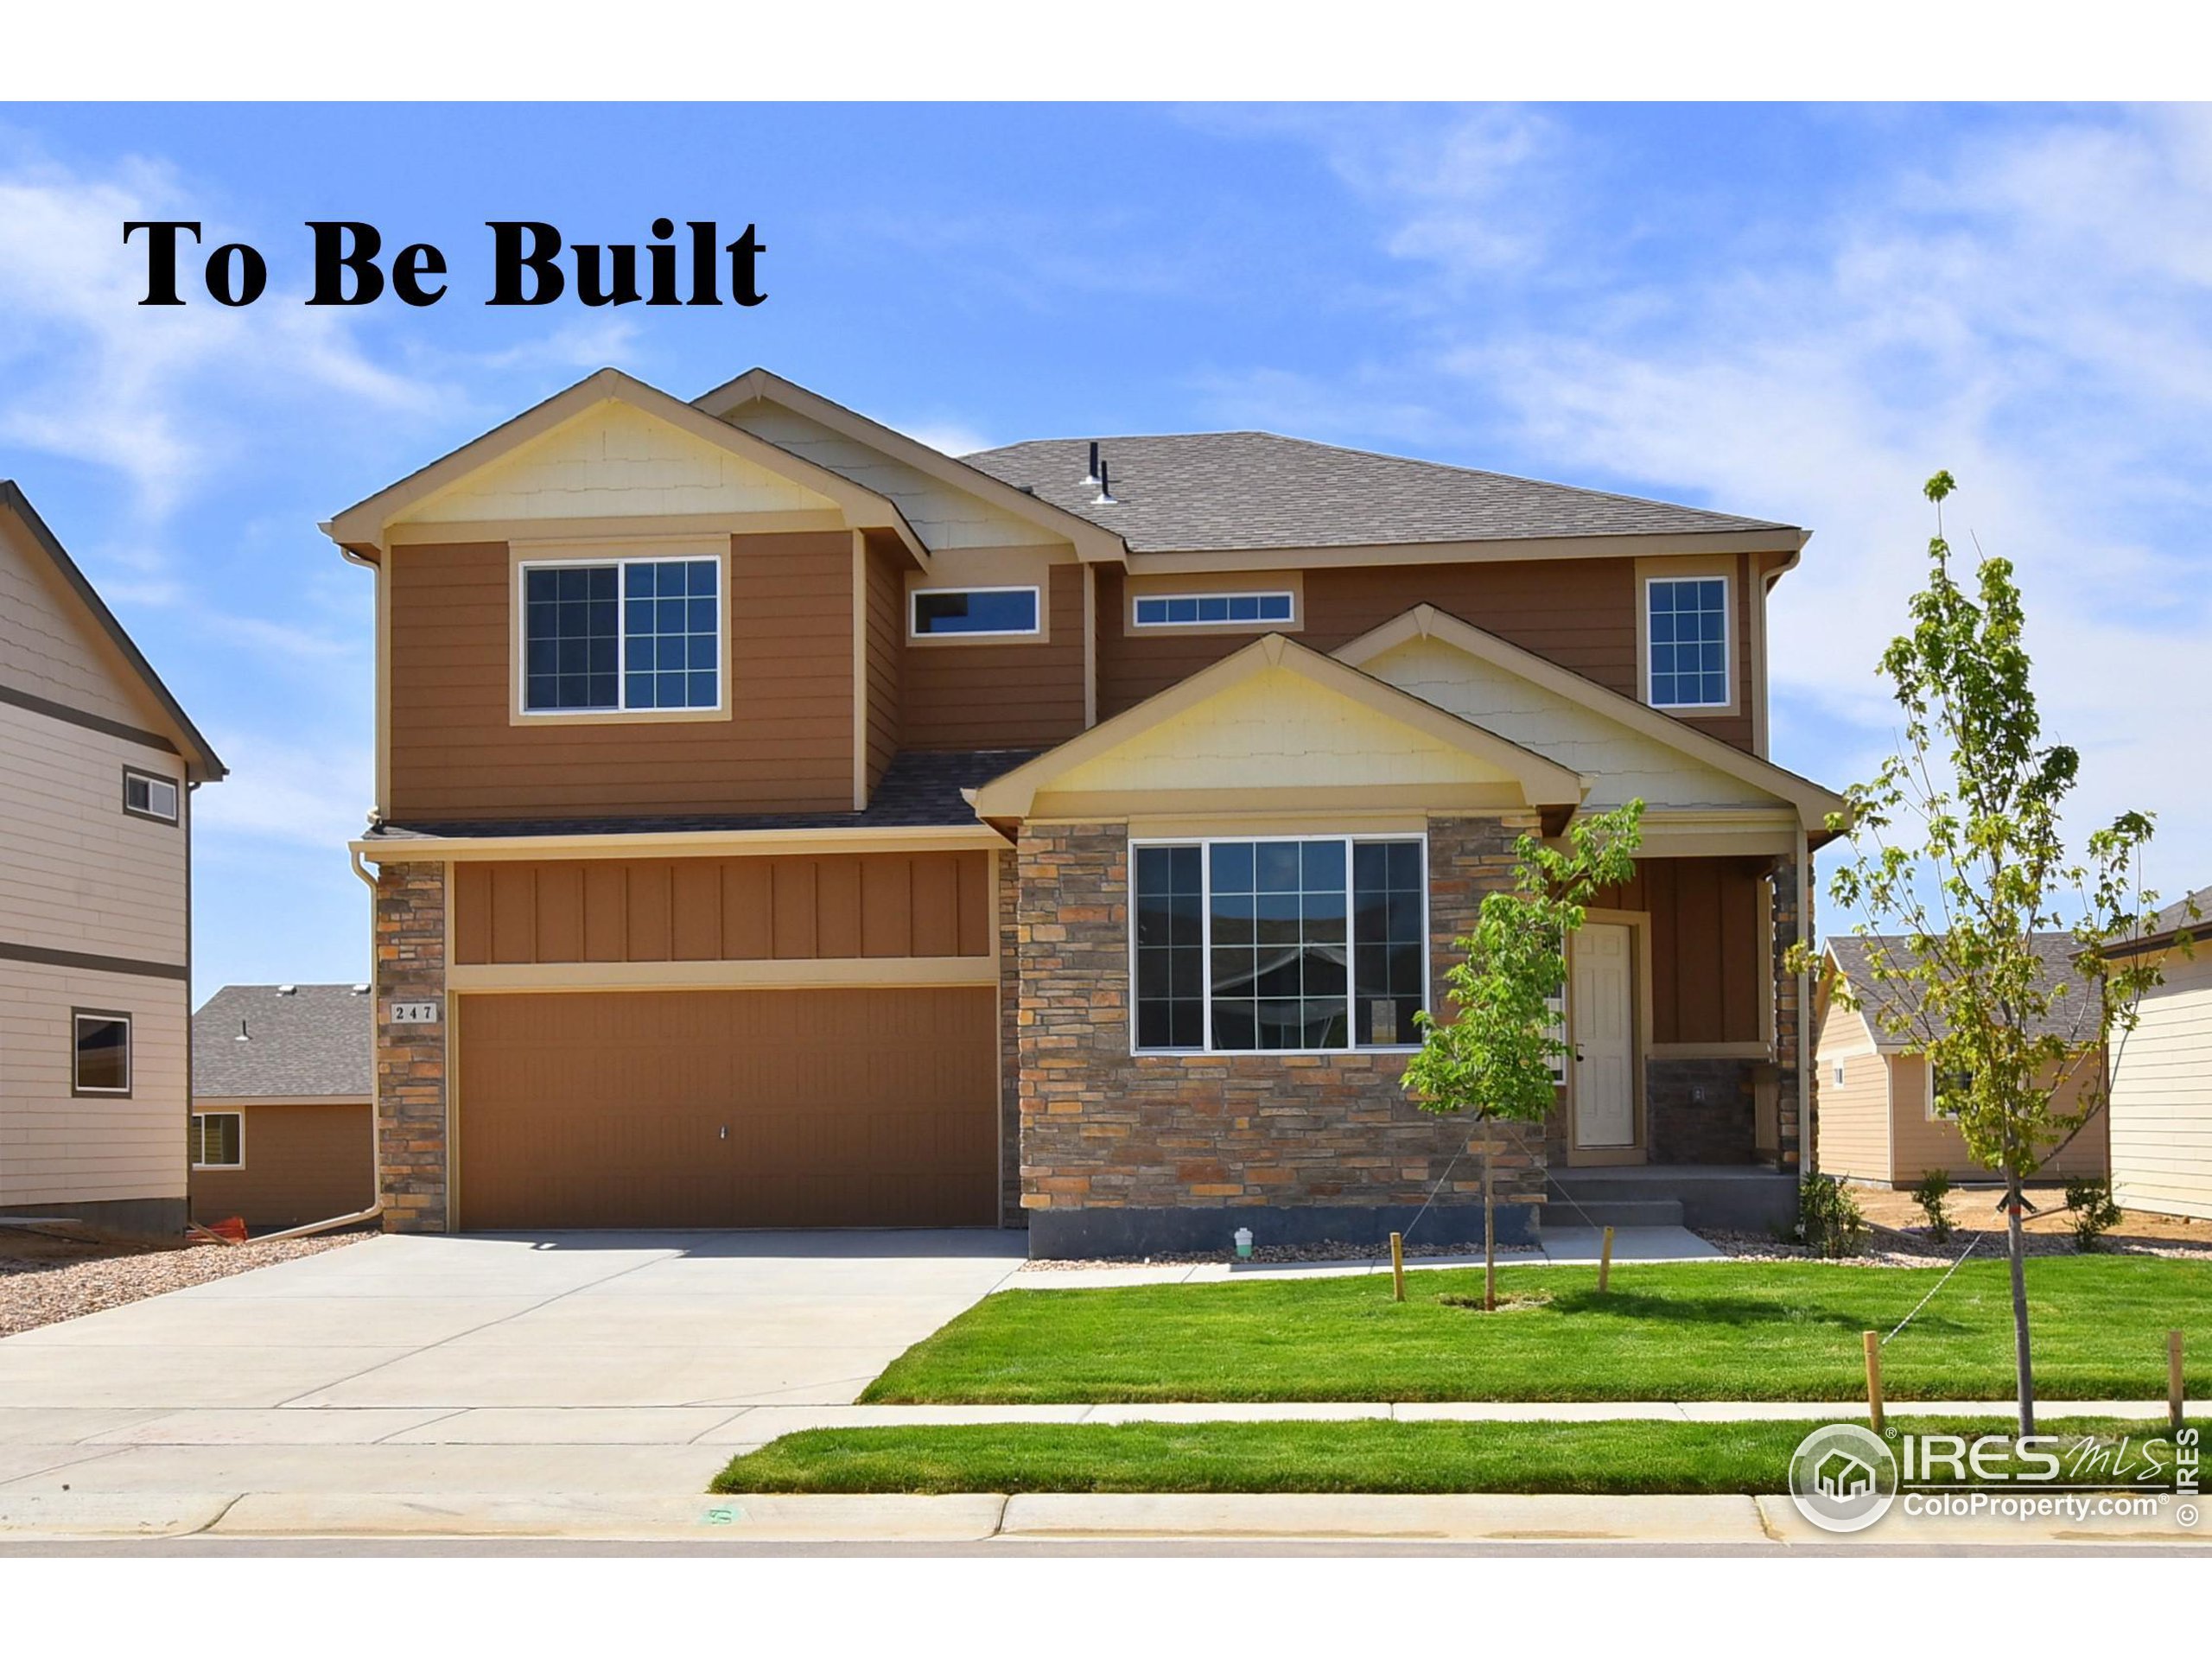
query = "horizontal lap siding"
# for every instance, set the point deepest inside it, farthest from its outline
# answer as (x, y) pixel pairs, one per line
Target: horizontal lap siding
(873, 904)
(1000, 696)
(2162, 1096)
(455, 752)
(1707, 946)
(885, 648)
(1854, 1117)
(302, 1163)
(1920, 1143)
(48, 646)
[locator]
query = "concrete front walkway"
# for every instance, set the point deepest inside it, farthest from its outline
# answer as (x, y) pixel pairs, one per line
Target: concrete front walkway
(560, 1363)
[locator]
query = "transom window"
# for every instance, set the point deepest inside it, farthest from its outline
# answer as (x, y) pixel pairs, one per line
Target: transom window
(1313, 943)
(1201, 610)
(975, 610)
(626, 634)
(100, 1064)
(218, 1140)
(1689, 621)
(147, 795)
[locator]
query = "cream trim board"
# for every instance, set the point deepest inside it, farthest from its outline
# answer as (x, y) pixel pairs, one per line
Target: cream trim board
(1337, 800)
(819, 972)
(1724, 571)
(1488, 552)
(620, 555)
(1745, 1051)
(1639, 923)
(1245, 826)
(860, 699)
(1038, 634)
(697, 843)
(1206, 844)
(1089, 647)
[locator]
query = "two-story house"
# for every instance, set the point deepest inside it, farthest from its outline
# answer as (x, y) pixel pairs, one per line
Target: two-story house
(98, 765)
(779, 823)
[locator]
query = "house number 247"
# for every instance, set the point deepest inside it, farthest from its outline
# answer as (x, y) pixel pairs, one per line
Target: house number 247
(414, 1014)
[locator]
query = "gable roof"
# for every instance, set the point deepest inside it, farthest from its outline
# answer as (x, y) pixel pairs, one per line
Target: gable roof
(202, 764)
(1544, 783)
(300, 1042)
(2191, 914)
(1092, 540)
(1852, 957)
(1813, 802)
(361, 526)
(1226, 492)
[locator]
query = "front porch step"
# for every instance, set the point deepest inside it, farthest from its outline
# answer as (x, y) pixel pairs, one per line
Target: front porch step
(1611, 1212)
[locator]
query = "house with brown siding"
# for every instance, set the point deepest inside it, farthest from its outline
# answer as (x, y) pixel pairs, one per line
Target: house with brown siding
(779, 823)
(97, 767)
(1882, 1120)
(281, 1118)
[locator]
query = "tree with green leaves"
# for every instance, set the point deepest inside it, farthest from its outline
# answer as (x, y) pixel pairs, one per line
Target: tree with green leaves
(1496, 1057)
(1958, 847)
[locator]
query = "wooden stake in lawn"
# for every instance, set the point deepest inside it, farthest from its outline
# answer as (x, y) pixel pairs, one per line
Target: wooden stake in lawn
(1397, 1266)
(1874, 1379)
(1496, 1055)
(2173, 1377)
(1605, 1263)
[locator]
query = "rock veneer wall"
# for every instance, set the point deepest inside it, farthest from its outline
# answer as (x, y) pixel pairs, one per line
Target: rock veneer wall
(1125, 1154)
(410, 1069)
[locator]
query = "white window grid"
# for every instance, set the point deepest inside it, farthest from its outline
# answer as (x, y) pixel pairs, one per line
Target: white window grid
(1727, 641)
(619, 565)
(1138, 602)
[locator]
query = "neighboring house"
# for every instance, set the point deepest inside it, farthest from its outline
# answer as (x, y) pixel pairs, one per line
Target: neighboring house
(2162, 1072)
(781, 822)
(281, 1081)
(1879, 1120)
(98, 765)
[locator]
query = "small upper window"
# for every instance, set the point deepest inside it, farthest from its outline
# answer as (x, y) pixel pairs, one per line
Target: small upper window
(975, 610)
(102, 1062)
(147, 795)
(1689, 642)
(218, 1140)
(1210, 610)
(630, 634)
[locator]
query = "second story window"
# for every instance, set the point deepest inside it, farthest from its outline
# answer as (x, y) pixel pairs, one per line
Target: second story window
(147, 795)
(1689, 621)
(629, 634)
(1209, 610)
(974, 611)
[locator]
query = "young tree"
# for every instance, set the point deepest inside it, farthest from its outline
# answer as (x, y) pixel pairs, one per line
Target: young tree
(1958, 847)
(1494, 1059)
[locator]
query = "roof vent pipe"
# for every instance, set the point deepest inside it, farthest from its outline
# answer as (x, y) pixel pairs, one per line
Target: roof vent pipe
(242, 1037)
(1105, 497)
(1091, 477)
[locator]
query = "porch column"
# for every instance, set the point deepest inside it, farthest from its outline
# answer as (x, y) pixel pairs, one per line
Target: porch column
(1798, 1089)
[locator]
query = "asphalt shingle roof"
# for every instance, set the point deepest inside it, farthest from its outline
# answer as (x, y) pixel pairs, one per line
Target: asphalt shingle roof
(1874, 996)
(306, 1042)
(1223, 491)
(919, 789)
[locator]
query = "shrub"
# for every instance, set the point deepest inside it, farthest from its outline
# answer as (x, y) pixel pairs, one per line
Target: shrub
(1829, 1218)
(2089, 1202)
(1935, 1188)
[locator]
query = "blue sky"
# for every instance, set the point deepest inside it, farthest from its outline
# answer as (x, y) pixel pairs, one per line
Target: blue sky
(1793, 313)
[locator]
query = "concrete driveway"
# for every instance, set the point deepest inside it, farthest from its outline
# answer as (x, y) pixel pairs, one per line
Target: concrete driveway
(563, 1361)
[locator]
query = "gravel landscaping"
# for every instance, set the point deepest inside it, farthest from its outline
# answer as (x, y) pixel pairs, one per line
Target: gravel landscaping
(46, 1278)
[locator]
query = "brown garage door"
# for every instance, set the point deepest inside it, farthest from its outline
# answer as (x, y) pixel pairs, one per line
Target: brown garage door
(871, 1107)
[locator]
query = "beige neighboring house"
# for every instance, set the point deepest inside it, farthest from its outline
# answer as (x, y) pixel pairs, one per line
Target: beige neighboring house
(98, 765)
(1879, 1122)
(2162, 1074)
(281, 1078)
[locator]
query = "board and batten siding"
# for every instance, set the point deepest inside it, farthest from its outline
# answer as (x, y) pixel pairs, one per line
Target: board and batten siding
(458, 752)
(999, 695)
(1708, 948)
(852, 905)
(2161, 1109)
(1854, 1114)
(57, 1148)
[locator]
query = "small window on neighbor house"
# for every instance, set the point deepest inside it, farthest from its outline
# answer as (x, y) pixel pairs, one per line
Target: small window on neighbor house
(1210, 610)
(1839, 1073)
(101, 1063)
(631, 634)
(974, 611)
(218, 1140)
(147, 795)
(1688, 618)
(1948, 1086)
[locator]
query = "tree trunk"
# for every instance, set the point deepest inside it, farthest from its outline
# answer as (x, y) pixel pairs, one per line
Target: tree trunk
(2016, 1244)
(1489, 1237)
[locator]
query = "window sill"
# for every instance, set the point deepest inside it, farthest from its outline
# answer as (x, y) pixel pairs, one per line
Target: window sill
(1270, 1053)
(616, 717)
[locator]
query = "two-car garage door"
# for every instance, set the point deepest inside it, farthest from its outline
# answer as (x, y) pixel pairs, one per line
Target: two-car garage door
(873, 1107)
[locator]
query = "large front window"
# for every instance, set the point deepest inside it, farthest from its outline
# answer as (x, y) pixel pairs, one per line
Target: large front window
(628, 634)
(1307, 943)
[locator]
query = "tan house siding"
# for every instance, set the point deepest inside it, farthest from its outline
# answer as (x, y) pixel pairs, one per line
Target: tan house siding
(457, 751)
(48, 647)
(723, 909)
(2162, 1096)
(1706, 945)
(64, 1149)
(304, 1162)
(1920, 1143)
(885, 655)
(1020, 695)
(1854, 1119)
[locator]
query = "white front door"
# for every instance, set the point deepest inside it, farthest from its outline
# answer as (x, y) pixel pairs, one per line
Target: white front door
(1601, 1007)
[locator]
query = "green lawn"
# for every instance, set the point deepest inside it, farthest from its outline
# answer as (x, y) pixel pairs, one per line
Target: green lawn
(1701, 1331)
(1613, 1457)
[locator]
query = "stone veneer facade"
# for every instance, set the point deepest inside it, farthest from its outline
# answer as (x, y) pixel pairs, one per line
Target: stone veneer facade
(1124, 1153)
(410, 1067)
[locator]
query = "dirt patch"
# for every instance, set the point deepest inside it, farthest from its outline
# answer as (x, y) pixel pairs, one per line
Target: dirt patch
(47, 1277)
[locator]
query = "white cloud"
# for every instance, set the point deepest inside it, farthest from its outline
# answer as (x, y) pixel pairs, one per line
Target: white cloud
(308, 797)
(948, 437)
